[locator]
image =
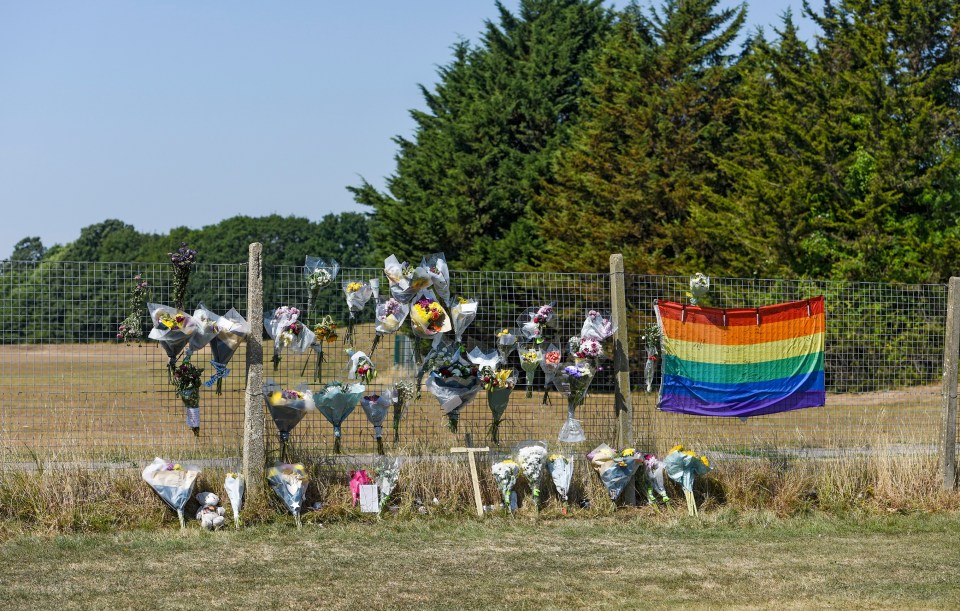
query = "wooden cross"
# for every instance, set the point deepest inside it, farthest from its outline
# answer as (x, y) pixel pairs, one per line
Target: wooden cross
(473, 474)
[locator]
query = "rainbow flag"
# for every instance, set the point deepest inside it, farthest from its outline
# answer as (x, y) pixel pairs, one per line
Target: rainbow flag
(742, 362)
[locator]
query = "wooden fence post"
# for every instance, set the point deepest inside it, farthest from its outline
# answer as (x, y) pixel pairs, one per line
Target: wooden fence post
(951, 352)
(254, 451)
(621, 363)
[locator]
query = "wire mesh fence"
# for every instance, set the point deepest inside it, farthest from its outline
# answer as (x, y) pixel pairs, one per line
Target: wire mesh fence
(70, 390)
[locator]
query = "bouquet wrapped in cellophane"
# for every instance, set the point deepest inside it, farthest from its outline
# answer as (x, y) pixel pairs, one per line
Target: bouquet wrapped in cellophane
(360, 367)
(231, 330)
(337, 401)
(442, 353)
(388, 473)
(289, 482)
(530, 359)
(684, 466)
(403, 285)
(172, 329)
(404, 393)
(616, 469)
(552, 357)
(573, 380)
(390, 316)
(532, 458)
(206, 330)
(454, 386)
(324, 332)
(463, 313)
(534, 321)
(172, 482)
(505, 473)
(506, 343)
(357, 293)
(287, 408)
(284, 327)
(187, 379)
(653, 474)
(561, 472)
(436, 269)
(235, 486)
(376, 408)
(319, 274)
(498, 383)
(427, 316)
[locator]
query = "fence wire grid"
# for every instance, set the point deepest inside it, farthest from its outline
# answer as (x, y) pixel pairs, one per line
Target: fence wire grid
(71, 391)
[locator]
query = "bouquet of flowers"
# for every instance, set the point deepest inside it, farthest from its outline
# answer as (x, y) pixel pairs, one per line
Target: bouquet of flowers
(286, 330)
(404, 392)
(483, 359)
(532, 457)
(388, 472)
(375, 407)
(319, 274)
(436, 268)
(205, 332)
(401, 279)
(533, 322)
(597, 326)
(231, 329)
(616, 469)
(186, 379)
(390, 315)
(505, 474)
(287, 408)
(463, 313)
(427, 316)
(454, 386)
(699, 287)
(653, 473)
(498, 384)
(573, 381)
(172, 482)
(131, 329)
(442, 354)
(182, 261)
(358, 293)
(561, 471)
(235, 486)
(683, 466)
(324, 332)
(360, 367)
(506, 342)
(530, 359)
(289, 482)
(337, 401)
(550, 365)
(172, 328)
(651, 338)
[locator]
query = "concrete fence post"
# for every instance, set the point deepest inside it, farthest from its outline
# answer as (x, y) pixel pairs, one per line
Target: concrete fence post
(951, 352)
(254, 451)
(621, 363)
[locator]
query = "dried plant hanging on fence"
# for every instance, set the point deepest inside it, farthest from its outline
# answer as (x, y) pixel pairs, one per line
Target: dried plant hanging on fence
(742, 362)
(182, 260)
(131, 329)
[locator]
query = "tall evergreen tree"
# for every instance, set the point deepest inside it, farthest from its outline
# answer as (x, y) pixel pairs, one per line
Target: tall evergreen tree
(639, 176)
(468, 182)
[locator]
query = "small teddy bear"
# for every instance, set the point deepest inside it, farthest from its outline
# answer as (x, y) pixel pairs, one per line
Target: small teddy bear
(210, 513)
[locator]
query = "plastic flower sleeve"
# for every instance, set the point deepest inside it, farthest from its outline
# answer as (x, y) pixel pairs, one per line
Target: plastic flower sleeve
(388, 473)
(454, 386)
(235, 486)
(683, 467)
(483, 359)
(206, 329)
(441, 355)
(232, 330)
(400, 277)
(324, 332)
(405, 391)
(427, 316)
(390, 316)
(653, 473)
(506, 343)
(505, 474)
(616, 469)
(573, 382)
(597, 326)
(172, 328)
(284, 326)
(287, 408)
(337, 401)
(561, 472)
(357, 293)
(550, 365)
(499, 384)
(172, 482)
(319, 274)
(533, 322)
(436, 267)
(376, 407)
(463, 314)
(532, 458)
(360, 367)
(530, 359)
(699, 287)
(289, 482)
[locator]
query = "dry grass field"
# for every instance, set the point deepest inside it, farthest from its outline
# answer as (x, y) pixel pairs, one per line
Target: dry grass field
(114, 401)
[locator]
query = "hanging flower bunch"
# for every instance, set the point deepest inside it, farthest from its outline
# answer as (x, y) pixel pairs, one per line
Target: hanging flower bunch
(183, 260)
(131, 329)
(186, 379)
(428, 314)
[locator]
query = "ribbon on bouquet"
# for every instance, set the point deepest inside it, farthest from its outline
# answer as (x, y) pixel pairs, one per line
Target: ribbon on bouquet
(220, 371)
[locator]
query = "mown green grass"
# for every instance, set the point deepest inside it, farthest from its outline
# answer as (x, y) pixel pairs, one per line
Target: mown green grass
(630, 560)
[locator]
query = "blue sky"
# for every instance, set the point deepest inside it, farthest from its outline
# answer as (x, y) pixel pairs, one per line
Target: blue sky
(165, 114)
